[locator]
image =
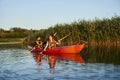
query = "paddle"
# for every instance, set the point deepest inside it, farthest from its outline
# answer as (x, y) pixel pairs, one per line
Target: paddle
(64, 37)
(30, 49)
(55, 34)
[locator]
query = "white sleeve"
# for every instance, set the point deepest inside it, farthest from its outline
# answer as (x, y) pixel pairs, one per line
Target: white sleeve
(46, 46)
(57, 43)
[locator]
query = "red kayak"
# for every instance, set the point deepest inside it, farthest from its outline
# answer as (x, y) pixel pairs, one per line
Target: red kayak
(62, 50)
(37, 50)
(65, 52)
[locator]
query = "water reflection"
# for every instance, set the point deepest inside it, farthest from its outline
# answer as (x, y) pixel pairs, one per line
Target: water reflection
(52, 59)
(108, 55)
(101, 63)
(38, 58)
(16, 64)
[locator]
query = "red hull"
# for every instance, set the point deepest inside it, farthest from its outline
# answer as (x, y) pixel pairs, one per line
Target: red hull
(37, 50)
(65, 52)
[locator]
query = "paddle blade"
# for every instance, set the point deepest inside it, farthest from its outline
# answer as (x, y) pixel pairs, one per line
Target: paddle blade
(28, 52)
(29, 47)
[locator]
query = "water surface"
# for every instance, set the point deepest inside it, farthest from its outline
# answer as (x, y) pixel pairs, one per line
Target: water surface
(16, 64)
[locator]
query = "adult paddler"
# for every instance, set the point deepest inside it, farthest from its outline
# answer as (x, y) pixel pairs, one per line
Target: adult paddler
(51, 43)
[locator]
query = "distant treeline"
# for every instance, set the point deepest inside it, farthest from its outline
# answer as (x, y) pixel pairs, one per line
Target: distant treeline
(15, 32)
(96, 32)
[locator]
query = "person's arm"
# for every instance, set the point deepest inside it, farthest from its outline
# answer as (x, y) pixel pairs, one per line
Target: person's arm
(46, 46)
(58, 42)
(34, 45)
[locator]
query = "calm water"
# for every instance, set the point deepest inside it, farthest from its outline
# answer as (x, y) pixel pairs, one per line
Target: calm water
(16, 64)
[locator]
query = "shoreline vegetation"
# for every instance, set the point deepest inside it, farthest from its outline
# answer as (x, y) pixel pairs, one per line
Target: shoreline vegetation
(11, 41)
(97, 32)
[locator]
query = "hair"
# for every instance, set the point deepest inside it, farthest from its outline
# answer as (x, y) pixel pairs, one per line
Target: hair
(37, 37)
(51, 35)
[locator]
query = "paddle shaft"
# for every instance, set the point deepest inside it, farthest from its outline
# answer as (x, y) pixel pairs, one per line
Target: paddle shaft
(64, 37)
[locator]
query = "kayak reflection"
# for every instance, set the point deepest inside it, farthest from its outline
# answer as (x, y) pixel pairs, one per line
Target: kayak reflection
(72, 57)
(38, 58)
(59, 53)
(52, 59)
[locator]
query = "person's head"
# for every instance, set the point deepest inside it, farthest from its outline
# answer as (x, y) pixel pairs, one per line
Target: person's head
(38, 38)
(50, 37)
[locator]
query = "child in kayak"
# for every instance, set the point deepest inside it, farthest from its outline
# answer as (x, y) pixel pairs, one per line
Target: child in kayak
(51, 44)
(38, 43)
(38, 55)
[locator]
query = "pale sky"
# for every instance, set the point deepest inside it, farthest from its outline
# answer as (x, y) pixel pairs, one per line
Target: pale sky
(41, 14)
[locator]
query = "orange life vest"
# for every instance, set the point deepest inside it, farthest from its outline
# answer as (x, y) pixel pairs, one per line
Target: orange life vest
(38, 44)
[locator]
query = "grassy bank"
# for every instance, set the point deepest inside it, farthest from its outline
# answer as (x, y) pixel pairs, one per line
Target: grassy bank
(4, 40)
(11, 43)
